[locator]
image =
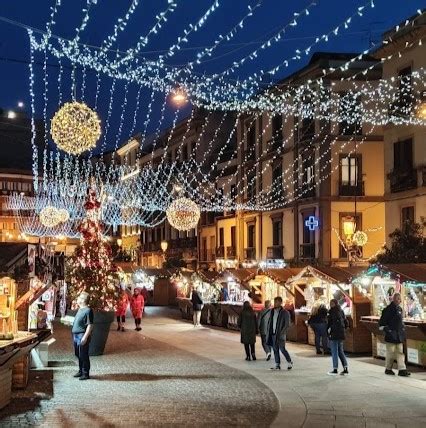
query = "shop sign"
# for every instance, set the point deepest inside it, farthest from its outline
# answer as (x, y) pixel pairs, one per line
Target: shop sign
(381, 349)
(413, 355)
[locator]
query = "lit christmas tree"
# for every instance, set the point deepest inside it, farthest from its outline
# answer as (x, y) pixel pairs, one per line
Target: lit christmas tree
(91, 268)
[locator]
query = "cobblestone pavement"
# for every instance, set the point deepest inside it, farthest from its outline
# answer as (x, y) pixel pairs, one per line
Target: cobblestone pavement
(139, 382)
(173, 374)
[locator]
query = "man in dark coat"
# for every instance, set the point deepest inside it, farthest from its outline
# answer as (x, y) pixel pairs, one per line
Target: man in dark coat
(392, 324)
(263, 322)
(279, 323)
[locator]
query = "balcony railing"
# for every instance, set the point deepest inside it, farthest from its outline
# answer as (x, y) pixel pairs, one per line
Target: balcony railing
(307, 191)
(207, 255)
(307, 252)
(275, 252)
(231, 252)
(220, 252)
(402, 180)
(351, 189)
(250, 253)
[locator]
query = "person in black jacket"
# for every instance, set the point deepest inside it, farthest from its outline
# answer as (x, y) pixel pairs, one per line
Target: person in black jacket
(197, 306)
(336, 326)
(392, 324)
(318, 322)
(247, 322)
(279, 322)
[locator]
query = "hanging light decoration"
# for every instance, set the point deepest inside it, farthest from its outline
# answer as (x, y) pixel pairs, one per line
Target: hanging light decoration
(75, 128)
(183, 214)
(50, 216)
(64, 215)
(360, 238)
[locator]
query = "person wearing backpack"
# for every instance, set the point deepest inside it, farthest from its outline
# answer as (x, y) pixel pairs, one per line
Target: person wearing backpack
(336, 326)
(392, 324)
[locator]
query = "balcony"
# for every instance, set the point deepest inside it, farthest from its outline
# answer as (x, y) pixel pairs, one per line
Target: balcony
(307, 191)
(207, 255)
(402, 180)
(220, 252)
(351, 189)
(250, 253)
(307, 252)
(275, 252)
(231, 252)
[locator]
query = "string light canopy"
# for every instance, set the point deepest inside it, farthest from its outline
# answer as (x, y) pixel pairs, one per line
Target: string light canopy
(183, 214)
(75, 128)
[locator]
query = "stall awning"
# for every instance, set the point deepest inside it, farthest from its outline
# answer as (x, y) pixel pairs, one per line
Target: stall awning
(157, 272)
(281, 276)
(409, 272)
(210, 276)
(33, 294)
(340, 275)
(241, 275)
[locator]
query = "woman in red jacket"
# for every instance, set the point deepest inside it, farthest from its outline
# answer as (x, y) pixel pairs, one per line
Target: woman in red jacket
(121, 308)
(137, 304)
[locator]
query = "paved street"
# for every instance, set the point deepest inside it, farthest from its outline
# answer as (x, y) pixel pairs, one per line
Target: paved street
(171, 374)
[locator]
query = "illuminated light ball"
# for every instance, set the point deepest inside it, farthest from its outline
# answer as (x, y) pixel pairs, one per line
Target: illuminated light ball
(183, 214)
(75, 128)
(360, 238)
(64, 214)
(49, 216)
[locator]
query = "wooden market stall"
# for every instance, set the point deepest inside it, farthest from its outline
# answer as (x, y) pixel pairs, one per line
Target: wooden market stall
(409, 280)
(318, 285)
(157, 282)
(14, 344)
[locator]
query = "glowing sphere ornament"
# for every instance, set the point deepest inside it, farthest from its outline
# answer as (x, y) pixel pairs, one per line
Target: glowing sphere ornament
(50, 216)
(360, 238)
(75, 128)
(183, 214)
(64, 215)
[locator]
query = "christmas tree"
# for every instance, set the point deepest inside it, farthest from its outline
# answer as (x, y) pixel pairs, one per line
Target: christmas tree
(91, 268)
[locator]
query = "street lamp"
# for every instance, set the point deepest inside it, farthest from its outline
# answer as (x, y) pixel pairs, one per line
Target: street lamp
(164, 245)
(119, 242)
(179, 96)
(349, 227)
(421, 107)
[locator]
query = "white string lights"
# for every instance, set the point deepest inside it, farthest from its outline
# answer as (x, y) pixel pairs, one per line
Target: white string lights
(138, 193)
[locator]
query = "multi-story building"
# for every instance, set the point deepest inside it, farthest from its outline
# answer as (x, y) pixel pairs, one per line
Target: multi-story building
(405, 146)
(197, 138)
(322, 174)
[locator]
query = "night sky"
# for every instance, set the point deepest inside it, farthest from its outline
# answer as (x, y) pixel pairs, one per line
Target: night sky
(267, 20)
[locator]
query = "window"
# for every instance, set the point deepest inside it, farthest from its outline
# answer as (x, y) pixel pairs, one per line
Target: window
(277, 227)
(277, 180)
(251, 142)
(251, 185)
(350, 170)
(403, 155)
(405, 91)
(221, 237)
(407, 216)
(277, 126)
(350, 108)
(308, 175)
(251, 235)
(193, 149)
(233, 236)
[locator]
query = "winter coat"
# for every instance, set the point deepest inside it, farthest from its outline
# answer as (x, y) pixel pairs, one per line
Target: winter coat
(319, 317)
(137, 304)
(263, 321)
(123, 302)
(336, 323)
(197, 302)
(247, 321)
(283, 323)
(393, 324)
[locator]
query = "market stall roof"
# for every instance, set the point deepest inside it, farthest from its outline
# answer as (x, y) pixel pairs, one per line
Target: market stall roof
(10, 253)
(281, 275)
(409, 271)
(209, 276)
(332, 274)
(242, 275)
(157, 272)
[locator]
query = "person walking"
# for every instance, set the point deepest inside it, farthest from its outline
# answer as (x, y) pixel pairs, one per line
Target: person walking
(121, 308)
(137, 304)
(81, 331)
(247, 322)
(318, 322)
(263, 323)
(197, 306)
(279, 322)
(392, 324)
(336, 326)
